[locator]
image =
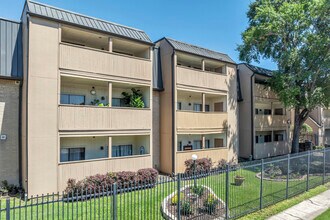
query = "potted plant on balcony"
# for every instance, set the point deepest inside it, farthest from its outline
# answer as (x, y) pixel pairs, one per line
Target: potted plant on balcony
(134, 99)
(239, 180)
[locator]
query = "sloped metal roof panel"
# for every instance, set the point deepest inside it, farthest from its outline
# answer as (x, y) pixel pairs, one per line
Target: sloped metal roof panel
(259, 70)
(61, 15)
(11, 49)
(181, 46)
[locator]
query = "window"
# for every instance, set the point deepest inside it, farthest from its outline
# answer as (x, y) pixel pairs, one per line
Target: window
(122, 150)
(268, 138)
(197, 107)
(207, 144)
(218, 142)
(256, 111)
(72, 99)
(197, 144)
(267, 111)
(279, 137)
(72, 154)
(207, 108)
(117, 102)
(179, 106)
(257, 139)
(279, 111)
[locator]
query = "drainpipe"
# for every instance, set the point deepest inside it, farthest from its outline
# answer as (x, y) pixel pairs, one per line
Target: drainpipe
(252, 118)
(173, 114)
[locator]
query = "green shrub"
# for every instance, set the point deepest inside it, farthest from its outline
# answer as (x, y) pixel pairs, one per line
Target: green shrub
(198, 190)
(210, 203)
(185, 208)
(133, 99)
(174, 200)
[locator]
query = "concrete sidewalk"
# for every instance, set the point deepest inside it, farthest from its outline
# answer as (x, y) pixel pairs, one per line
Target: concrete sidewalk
(308, 209)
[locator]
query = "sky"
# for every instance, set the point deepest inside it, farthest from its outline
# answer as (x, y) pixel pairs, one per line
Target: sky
(213, 24)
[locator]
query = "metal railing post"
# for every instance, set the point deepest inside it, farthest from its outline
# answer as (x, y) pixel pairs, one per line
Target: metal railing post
(114, 201)
(178, 195)
(287, 178)
(227, 191)
(261, 182)
(323, 179)
(308, 167)
(8, 209)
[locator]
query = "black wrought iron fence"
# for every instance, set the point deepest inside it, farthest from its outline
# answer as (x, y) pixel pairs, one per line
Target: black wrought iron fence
(228, 193)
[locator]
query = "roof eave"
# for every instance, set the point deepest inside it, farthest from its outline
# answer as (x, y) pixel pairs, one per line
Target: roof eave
(89, 28)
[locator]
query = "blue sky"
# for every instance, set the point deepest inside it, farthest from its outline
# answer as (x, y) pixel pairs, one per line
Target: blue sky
(214, 24)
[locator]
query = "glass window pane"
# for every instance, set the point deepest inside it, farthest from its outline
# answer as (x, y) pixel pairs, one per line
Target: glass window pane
(64, 99)
(77, 100)
(64, 155)
(116, 101)
(197, 107)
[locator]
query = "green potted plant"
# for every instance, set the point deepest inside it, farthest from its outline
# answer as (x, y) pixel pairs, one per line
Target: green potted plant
(239, 180)
(134, 99)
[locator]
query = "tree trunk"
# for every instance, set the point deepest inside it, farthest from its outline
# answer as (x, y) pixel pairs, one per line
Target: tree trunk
(299, 119)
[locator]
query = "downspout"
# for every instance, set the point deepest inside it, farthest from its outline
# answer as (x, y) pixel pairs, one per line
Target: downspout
(252, 118)
(20, 181)
(173, 114)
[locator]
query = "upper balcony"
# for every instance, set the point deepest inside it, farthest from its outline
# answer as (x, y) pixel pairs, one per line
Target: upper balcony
(90, 105)
(95, 53)
(263, 91)
(193, 71)
(200, 112)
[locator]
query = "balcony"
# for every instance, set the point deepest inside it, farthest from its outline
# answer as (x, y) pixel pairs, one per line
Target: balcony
(86, 59)
(189, 77)
(188, 121)
(75, 117)
(262, 91)
(327, 123)
(265, 122)
(216, 154)
(82, 169)
(271, 149)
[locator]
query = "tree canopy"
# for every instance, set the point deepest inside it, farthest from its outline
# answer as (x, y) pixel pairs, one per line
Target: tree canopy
(295, 34)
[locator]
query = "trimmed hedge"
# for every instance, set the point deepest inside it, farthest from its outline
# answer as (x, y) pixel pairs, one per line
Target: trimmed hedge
(124, 179)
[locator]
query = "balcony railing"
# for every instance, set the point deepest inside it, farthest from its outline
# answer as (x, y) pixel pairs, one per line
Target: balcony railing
(271, 149)
(201, 79)
(103, 118)
(199, 121)
(216, 154)
(81, 169)
(262, 91)
(327, 122)
(268, 121)
(80, 58)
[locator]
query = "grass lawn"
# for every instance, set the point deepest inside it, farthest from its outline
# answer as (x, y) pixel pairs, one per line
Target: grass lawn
(281, 206)
(324, 216)
(147, 203)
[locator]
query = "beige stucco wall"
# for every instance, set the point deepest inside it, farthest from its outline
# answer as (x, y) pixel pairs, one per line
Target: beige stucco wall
(9, 125)
(42, 94)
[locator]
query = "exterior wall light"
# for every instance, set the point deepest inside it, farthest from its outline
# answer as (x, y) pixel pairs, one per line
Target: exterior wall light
(93, 91)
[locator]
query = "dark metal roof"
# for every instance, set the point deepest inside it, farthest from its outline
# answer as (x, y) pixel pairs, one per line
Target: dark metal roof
(11, 50)
(199, 51)
(259, 70)
(73, 18)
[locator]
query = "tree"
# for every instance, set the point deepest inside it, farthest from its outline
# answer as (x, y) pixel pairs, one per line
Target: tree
(295, 35)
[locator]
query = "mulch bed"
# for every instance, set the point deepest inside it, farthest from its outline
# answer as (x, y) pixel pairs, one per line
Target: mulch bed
(198, 209)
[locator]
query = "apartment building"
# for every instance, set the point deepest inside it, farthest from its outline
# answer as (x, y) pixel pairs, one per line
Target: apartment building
(264, 129)
(319, 121)
(77, 115)
(198, 113)
(10, 88)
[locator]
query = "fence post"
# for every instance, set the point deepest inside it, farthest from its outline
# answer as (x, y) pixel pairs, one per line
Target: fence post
(227, 191)
(114, 201)
(178, 195)
(261, 182)
(323, 179)
(287, 178)
(308, 167)
(8, 209)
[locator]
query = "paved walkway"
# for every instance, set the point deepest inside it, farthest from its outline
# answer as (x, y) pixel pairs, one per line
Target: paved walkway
(308, 209)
